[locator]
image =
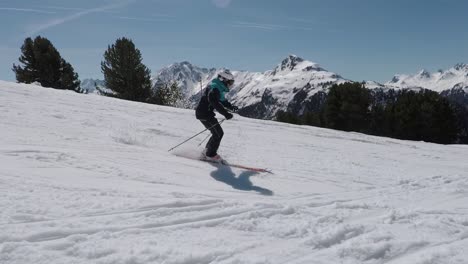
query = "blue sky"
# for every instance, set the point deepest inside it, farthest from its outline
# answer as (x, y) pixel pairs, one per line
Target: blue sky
(359, 39)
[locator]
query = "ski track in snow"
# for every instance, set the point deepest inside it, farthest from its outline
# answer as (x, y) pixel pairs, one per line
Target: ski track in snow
(88, 179)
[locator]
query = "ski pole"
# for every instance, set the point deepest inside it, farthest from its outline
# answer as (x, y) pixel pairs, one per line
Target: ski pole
(197, 134)
(204, 140)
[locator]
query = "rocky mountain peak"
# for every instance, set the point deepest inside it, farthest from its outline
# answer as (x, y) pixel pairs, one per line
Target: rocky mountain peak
(290, 62)
(461, 67)
(424, 74)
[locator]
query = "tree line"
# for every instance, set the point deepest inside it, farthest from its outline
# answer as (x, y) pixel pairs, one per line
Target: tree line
(125, 75)
(422, 115)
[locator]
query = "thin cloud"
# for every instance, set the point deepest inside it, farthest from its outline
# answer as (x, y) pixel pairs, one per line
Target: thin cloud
(306, 22)
(221, 3)
(26, 10)
(270, 27)
(60, 21)
(302, 20)
(163, 15)
(65, 8)
(144, 19)
(73, 9)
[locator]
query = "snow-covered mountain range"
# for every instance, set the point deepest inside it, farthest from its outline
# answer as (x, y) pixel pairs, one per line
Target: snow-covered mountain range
(263, 93)
(292, 84)
(455, 77)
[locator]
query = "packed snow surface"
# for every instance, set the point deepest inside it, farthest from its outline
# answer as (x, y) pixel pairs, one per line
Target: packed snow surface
(88, 179)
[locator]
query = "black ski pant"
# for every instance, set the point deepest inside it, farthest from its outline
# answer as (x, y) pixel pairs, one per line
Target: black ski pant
(216, 135)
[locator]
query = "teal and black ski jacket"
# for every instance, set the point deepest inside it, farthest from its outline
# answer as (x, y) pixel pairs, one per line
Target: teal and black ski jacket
(213, 97)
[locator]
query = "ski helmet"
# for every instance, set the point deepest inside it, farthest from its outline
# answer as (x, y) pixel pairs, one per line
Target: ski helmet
(226, 77)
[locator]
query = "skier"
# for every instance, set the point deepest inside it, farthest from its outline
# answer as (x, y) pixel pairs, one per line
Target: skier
(213, 98)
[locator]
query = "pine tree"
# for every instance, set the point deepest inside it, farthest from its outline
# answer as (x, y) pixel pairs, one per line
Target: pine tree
(69, 78)
(124, 73)
(42, 63)
(313, 119)
(424, 115)
(176, 97)
(347, 107)
(378, 124)
(48, 62)
(27, 73)
(168, 94)
(161, 94)
(287, 117)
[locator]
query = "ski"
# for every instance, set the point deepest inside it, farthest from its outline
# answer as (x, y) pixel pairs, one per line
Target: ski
(249, 168)
(225, 163)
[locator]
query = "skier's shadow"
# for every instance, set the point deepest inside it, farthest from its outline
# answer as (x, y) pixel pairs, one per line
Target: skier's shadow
(225, 174)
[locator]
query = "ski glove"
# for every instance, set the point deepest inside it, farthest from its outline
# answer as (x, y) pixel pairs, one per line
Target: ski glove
(228, 116)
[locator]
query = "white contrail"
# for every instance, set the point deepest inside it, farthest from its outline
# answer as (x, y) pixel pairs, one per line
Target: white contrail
(26, 10)
(147, 19)
(222, 3)
(59, 21)
(258, 26)
(272, 27)
(72, 9)
(64, 8)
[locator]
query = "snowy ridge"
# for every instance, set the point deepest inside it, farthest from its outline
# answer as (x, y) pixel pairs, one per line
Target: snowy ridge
(186, 75)
(374, 85)
(292, 75)
(88, 179)
(90, 84)
(455, 77)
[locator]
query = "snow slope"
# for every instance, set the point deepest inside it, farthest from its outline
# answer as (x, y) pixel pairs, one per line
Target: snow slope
(88, 179)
